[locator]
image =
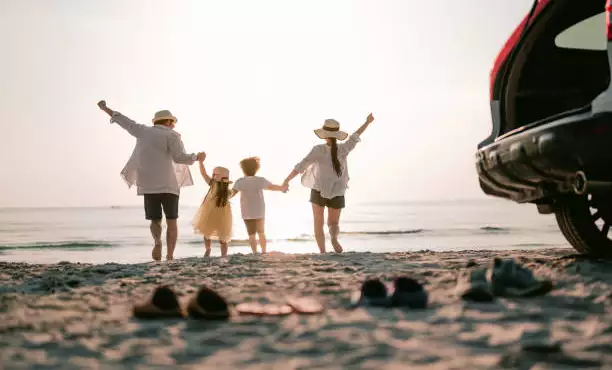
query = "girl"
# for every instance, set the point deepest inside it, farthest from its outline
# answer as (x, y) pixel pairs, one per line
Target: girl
(324, 170)
(214, 217)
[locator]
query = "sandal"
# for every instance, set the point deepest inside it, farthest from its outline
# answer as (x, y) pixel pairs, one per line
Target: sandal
(208, 305)
(163, 304)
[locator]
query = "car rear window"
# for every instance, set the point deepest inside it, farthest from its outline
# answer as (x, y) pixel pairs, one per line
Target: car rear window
(588, 34)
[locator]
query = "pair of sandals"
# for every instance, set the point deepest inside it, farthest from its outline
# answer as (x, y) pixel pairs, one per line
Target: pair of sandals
(503, 278)
(404, 292)
(207, 304)
(164, 303)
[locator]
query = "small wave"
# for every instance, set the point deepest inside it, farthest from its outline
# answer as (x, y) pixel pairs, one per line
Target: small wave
(60, 245)
(300, 239)
(384, 232)
(239, 242)
(494, 229)
(534, 245)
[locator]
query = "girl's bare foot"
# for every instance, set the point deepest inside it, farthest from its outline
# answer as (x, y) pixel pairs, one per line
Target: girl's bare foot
(224, 248)
(207, 247)
(169, 258)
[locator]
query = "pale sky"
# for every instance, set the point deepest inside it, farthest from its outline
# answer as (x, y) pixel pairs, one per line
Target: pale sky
(247, 78)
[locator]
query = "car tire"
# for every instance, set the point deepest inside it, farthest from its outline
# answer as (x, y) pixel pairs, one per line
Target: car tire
(577, 217)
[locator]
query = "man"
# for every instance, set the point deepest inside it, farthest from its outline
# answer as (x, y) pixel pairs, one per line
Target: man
(158, 166)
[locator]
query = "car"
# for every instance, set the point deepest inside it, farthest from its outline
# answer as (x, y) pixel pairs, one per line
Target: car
(551, 107)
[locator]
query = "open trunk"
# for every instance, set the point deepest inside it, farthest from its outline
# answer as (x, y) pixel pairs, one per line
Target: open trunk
(560, 64)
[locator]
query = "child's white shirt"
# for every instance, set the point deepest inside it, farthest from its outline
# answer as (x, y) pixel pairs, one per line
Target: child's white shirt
(252, 203)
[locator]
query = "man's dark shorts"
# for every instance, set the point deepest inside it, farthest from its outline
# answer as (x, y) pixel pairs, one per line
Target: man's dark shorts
(335, 202)
(154, 203)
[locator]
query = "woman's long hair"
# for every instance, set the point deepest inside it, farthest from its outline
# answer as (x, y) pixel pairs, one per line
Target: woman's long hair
(334, 157)
(222, 192)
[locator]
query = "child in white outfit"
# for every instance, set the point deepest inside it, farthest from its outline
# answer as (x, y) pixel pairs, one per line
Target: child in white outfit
(252, 203)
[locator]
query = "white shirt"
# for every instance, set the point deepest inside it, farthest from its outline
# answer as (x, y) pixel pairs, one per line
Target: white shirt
(158, 163)
(318, 172)
(252, 204)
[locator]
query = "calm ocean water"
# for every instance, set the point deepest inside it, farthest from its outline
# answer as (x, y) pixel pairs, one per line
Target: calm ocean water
(120, 234)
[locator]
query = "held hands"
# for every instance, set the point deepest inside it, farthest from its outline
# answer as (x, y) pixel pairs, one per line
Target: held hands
(285, 186)
(201, 157)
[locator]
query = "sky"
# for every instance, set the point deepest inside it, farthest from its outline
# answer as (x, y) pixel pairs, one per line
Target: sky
(247, 78)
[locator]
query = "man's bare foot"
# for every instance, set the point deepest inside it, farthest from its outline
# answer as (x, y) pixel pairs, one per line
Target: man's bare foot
(169, 258)
(156, 253)
(336, 245)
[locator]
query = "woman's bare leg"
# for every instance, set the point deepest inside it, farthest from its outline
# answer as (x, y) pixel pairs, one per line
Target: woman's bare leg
(253, 243)
(207, 246)
(262, 242)
(224, 248)
(318, 214)
(333, 223)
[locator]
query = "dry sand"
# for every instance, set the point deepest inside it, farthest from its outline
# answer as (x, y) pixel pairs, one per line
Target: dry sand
(78, 316)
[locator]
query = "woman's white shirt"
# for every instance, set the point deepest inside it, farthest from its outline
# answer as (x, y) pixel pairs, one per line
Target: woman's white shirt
(318, 172)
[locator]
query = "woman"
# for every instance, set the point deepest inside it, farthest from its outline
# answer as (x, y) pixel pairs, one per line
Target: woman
(325, 172)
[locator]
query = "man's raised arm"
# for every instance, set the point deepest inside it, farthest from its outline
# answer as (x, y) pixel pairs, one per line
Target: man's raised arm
(135, 129)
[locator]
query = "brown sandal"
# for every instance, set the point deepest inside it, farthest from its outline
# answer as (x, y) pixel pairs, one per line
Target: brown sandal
(208, 305)
(163, 304)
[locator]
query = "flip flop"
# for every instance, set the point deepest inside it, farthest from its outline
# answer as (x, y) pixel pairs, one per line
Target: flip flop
(208, 305)
(263, 309)
(373, 293)
(408, 292)
(509, 279)
(305, 305)
(473, 286)
(163, 304)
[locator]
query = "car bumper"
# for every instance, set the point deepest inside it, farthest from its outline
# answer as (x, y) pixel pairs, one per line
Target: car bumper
(542, 161)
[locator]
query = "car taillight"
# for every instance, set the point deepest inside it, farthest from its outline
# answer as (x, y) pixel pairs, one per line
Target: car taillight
(608, 23)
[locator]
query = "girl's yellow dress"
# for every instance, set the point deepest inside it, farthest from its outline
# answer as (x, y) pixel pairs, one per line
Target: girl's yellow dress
(211, 221)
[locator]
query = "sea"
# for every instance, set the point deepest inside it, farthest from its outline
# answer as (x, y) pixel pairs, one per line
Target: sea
(121, 234)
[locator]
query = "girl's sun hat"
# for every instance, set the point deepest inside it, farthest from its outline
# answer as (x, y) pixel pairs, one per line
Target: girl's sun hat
(221, 174)
(331, 130)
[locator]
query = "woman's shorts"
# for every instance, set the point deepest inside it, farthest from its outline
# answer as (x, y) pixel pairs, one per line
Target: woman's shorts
(335, 202)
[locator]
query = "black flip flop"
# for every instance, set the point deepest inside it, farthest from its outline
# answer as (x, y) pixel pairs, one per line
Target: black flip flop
(373, 293)
(208, 305)
(408, 292)
(163, 304)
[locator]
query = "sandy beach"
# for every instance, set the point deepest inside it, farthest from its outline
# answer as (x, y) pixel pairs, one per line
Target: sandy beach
(74, 316)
